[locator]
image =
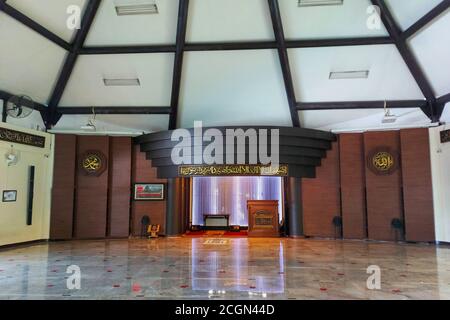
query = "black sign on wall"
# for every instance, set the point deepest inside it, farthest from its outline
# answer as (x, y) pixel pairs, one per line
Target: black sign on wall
(22, 138)
(445, 136)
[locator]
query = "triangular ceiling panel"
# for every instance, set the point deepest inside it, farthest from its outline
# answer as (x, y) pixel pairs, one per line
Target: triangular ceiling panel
(50, 14)
(388, 78)
(29, 63)
(432, 48)
(350, 19)
(408, 12)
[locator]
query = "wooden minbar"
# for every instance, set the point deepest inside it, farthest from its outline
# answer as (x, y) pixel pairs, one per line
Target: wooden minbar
(263, 218)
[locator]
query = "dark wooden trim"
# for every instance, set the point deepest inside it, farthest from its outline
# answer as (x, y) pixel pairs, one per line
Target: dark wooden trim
(69, 64)
(342, 42)
(426, 19)
(23, 244)
(219, 46)
(18, 16)
(4, 115)
(128, 49)
(410, 60)
(114, 110)
(224, 46)
(341, 105)
(444, 99)
(178, 63)
(284, 60)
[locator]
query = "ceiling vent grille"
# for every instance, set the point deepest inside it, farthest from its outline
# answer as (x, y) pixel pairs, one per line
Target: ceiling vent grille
(362, 74)
(121, 82)
(138, 9)
(318, 3)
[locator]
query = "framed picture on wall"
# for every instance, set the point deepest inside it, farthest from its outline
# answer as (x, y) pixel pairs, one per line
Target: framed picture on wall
(149, 191)
(9, 196)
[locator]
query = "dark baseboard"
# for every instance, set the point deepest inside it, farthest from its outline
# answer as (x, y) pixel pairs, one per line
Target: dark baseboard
(22, 244)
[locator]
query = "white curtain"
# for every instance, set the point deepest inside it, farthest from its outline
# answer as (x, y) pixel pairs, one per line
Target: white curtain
(229, 195)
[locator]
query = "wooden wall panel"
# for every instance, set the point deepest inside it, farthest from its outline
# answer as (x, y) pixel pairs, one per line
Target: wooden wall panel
(417, 185)
(321, 197)
(351, 151)
(91, 193)
(143, 172)
(119, 187)
(61, 221)
(384, 195)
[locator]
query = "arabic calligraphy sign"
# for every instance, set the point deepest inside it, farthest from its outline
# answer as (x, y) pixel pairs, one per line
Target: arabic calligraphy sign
(382, 161)
(22, 138)
(233, 170)
(93, 163)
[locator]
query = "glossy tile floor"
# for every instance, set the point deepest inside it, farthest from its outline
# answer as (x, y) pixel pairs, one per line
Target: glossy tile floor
(224, 268)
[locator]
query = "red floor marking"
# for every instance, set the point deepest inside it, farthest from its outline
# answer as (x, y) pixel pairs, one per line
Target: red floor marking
(116, 286)
(184, 286)
(166, 271)
(252, 287)
(323, 289)
(109, 270)
(396, 291)
(136, 287)
(222, 271)
(341, 274)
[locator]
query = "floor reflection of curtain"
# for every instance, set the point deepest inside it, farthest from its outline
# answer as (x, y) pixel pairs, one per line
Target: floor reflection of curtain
(229, 195)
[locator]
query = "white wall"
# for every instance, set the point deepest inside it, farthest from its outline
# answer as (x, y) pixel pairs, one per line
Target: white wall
(440, 165)
(13, 227)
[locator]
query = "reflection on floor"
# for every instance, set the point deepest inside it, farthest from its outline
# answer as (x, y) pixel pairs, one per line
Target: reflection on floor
(230, 268)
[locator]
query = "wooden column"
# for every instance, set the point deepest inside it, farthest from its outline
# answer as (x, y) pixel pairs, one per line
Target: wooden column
(61, 218)
(119, 187)
(417, 185)
(352, 170)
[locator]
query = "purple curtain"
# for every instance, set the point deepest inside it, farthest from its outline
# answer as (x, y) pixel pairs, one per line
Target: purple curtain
(229, 195)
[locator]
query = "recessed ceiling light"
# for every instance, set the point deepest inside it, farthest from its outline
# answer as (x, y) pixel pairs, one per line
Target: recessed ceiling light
(363, 74)
(121, 82)
(137, 9)
(316, 3)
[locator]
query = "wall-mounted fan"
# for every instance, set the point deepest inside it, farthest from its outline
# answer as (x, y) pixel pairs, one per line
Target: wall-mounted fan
(19, 107)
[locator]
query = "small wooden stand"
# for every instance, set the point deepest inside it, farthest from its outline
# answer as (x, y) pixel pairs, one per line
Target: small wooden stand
(263, 218)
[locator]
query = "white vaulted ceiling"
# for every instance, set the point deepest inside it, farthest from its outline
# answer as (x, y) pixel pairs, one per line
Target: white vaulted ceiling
(225, 87)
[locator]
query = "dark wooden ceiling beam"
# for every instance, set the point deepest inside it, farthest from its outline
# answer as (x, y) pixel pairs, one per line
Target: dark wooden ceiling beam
(178, 63)
(284, 60)
(128, 49)
(114, 110)
(69, 64)
(20, 17)
(395, 33)
(348, 105)
(444, 99)
(426, 19)
(251, 45)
